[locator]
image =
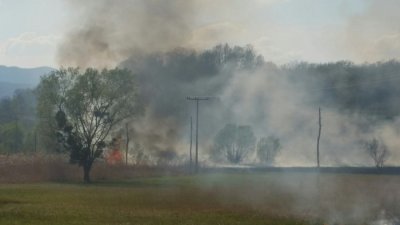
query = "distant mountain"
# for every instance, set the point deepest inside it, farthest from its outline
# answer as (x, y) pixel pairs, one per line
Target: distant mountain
(13, 78)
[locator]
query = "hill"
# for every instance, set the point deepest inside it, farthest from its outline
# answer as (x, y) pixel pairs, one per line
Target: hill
(13, 78)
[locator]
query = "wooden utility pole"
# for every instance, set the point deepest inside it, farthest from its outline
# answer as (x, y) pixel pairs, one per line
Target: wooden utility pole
(197, 99)
(127, 143)
(35, 140)
(16, 142)
(319, 135)
(191, 140)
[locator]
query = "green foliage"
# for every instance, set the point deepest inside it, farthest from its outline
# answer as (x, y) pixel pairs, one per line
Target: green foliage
(80, 109)
(233, 143)
(11, 138)
(17, 122)
(268, 148)
(51, 92)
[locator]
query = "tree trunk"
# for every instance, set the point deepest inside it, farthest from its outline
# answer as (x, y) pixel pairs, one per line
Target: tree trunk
(319, 135)
(86, 172)
(127, 144)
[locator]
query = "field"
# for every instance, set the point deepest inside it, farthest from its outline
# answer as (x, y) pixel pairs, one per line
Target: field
(218, 198)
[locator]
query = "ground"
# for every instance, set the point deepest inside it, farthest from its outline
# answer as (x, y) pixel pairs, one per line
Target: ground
(217, 198)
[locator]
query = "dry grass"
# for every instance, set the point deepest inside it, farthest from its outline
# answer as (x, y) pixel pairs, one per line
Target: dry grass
(21, 168)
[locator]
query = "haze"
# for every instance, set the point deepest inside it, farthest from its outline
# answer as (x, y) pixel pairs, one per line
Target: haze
(282, 31)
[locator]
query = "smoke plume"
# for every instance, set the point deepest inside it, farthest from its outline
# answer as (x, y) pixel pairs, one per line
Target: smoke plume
(153, 38)
(274, 100)
(107, 32)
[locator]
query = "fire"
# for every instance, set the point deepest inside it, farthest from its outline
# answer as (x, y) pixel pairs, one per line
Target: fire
(114, 156)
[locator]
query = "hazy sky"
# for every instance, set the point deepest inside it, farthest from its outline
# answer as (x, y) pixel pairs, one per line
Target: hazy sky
(282, 30)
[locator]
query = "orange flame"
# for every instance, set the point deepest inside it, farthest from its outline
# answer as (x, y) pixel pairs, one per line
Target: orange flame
(115, 156)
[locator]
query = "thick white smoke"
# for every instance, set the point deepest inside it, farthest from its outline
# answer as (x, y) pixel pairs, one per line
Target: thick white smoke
(147, 34)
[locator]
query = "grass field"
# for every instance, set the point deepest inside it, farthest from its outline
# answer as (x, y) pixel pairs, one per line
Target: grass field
(222, 198)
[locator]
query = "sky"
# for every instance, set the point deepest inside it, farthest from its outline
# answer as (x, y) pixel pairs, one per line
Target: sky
(283, 31)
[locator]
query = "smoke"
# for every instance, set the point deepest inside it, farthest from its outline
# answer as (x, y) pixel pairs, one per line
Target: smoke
(107, 32)
(374, 34)
(283, 102)
(275, 100)
(154, 39)
(104, 33)
(166, 79)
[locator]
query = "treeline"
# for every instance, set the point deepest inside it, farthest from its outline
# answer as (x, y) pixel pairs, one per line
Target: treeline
(165, 79)
(18, 122)
(369, 89)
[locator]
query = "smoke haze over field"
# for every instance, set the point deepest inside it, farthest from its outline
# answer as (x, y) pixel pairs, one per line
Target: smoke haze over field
(155, 39)
(110, 31)
(105, 32)
(281, 30)
(282, 101)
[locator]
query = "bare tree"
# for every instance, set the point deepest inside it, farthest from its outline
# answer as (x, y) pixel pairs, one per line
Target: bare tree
(233, 143)
(378, 151)
(267, 149)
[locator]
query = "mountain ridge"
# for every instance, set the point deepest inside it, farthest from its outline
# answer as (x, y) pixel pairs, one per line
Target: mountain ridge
(13, 78)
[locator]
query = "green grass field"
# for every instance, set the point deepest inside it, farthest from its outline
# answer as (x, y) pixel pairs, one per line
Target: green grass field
(271, 198)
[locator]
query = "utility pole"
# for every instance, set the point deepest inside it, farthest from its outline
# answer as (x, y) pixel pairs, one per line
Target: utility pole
(16, 142)
(319, 135)
(35, 141)
(127, 144)
(191, 140)
(197, 99)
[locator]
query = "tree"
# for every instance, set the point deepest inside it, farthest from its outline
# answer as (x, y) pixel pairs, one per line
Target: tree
(234, 143)
(51, 94)
(86, 107)
(268, 148)
(11, 138)
(17, 121)
(377, 151)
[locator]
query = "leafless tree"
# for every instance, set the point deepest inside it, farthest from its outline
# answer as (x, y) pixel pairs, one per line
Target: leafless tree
(378, 151)
(267, 149)
(233, 143)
